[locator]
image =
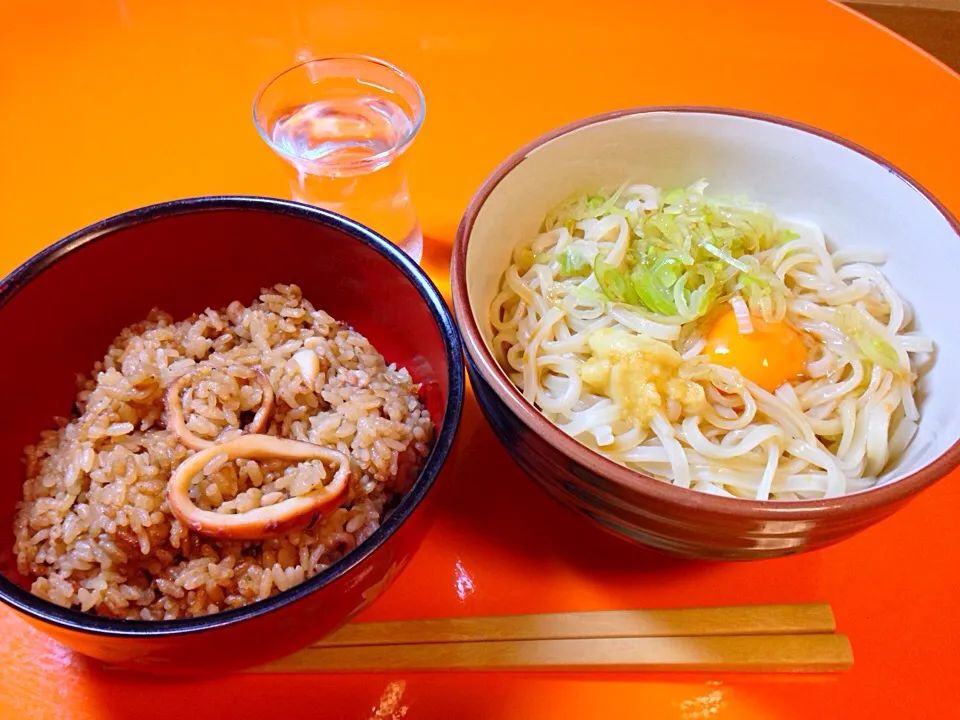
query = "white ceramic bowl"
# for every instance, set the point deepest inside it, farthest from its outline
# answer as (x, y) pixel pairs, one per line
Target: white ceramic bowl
(857, 199)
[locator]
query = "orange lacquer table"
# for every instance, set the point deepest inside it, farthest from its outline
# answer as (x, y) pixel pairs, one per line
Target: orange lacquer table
(112, 104)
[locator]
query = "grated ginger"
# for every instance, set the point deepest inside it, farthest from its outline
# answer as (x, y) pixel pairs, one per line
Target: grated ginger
(639, 374)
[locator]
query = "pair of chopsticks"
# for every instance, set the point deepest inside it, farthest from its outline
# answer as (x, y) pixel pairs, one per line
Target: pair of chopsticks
(752, 638)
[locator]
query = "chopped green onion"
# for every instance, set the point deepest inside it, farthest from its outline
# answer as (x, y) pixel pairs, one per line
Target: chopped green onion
(667, 271)
(651, 292)
(615, 284)
(569, 213)
(585, 293)
(725, 257)
(685, 255)
(524, 259)
(573, 263)
(873, 347)
(673, 196)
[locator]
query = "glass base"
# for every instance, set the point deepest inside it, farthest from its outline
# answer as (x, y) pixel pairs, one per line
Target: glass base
(380, 201)
(412, 244)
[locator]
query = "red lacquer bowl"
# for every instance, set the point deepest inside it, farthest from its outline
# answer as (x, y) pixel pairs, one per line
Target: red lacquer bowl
(60, 311)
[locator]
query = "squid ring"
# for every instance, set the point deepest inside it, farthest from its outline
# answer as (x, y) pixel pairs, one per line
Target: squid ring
(178, 426)
(263, 522)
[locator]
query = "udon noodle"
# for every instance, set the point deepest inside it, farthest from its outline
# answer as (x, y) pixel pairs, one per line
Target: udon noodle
(612, 321)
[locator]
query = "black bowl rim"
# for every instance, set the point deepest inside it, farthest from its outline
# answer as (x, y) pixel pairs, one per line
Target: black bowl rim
(69, 619)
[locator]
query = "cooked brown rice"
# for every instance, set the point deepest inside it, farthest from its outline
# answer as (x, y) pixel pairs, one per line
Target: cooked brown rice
(94, 530)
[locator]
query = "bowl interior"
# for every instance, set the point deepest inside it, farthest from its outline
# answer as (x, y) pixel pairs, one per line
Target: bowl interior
(855, 199)
(67, 316)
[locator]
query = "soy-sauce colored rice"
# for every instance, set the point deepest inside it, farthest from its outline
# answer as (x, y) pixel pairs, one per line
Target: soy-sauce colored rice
(94, 531)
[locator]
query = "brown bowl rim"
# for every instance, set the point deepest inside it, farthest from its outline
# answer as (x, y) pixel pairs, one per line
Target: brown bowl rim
(691, 500)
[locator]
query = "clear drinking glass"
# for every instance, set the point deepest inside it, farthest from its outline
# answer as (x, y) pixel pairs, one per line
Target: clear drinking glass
(342, 125)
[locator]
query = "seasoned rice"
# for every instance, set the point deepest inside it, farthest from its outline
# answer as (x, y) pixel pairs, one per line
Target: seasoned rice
(94, 530)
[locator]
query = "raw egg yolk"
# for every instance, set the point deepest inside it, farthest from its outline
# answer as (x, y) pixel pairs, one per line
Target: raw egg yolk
(771, 355)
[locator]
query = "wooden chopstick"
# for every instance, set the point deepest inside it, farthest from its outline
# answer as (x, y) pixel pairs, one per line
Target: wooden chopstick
(751, 638)
(797, 619)
(743, 653)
